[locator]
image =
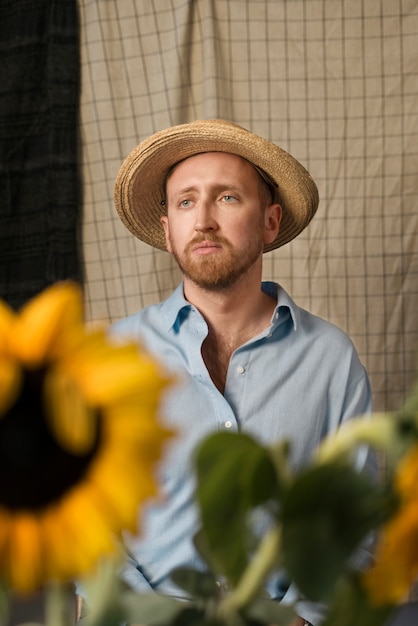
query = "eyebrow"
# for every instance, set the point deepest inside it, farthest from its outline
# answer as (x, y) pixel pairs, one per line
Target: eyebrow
(217, 187)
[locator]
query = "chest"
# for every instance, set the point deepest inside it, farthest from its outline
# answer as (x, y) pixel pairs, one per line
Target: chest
(216, 355)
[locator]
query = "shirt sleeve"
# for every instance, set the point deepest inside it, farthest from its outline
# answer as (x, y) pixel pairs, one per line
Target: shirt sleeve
(133, 576)
(358, 402)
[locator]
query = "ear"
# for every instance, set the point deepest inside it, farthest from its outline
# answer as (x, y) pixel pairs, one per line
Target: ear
(272, 219)
(166, 227)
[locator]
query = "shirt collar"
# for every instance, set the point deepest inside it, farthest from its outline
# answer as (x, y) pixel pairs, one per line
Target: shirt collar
(176, 306)
(284, 302)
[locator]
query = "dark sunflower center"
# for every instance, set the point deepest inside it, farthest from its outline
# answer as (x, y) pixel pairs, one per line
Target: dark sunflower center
(34, 470)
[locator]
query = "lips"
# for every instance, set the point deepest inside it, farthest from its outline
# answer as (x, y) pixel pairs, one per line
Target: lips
(205, 246)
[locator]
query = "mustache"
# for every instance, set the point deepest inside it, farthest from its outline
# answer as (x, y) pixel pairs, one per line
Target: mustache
(201, 237)
(212, 237)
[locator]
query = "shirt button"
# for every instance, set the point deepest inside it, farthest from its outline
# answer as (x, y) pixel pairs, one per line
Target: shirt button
(228, 424)
(240, 369)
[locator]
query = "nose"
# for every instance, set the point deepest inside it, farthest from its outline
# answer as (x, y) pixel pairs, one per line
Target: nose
(205, 216)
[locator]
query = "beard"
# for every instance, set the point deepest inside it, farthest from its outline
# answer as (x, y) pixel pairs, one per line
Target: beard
(219, 270)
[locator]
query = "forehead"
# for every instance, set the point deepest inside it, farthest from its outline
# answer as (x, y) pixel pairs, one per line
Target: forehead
(224, 161)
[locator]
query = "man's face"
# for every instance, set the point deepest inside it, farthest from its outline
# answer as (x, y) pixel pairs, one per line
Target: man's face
(219, 217)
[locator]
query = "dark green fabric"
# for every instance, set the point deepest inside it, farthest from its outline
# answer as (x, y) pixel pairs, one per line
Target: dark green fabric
(39, 177)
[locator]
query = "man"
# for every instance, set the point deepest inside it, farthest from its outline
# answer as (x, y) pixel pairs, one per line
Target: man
(217, 197)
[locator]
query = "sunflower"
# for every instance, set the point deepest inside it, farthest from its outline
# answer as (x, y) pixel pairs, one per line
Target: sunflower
(397, 553)
(79, 439)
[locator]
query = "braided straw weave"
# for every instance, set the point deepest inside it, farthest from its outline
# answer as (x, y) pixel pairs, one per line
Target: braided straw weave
(139, 186)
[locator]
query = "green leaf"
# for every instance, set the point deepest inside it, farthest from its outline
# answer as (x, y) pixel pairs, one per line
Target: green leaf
(197, 584)
(280, 454)
(195, 617)
(327, 512)
(235, 474)
(265, 611)
(350, 606)
(201, 545)
(104, 591)
(151, 609)
(4, 605)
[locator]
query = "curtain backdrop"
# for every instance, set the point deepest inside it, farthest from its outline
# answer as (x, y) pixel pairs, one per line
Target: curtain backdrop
(39, 176)
(332, 81)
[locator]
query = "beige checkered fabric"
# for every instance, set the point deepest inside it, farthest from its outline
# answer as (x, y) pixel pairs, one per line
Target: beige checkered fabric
(334, 82)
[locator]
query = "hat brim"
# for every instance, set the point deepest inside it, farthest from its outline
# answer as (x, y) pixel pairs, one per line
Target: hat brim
(139, 186)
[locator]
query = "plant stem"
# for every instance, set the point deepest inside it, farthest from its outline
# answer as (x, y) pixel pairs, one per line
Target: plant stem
(379, 431)
(266, 557)
(59, 605)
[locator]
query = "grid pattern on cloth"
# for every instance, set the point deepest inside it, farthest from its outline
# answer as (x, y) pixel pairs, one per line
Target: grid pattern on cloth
(39, 176)
(332, 82)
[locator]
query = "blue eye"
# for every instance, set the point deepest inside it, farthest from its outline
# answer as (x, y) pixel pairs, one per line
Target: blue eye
(228, 198)
(185, 203)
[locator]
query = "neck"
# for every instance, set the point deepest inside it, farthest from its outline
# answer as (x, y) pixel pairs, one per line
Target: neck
(243, 305)
(234, 316)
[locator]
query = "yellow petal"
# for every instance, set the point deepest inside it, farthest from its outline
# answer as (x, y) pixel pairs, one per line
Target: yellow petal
(25, 561)
(72, 421)
(69, 542)
(5, 525)
(10, 383)
(89, 528)
(407, 475)
(45, 325)
(83, 378)
(119, 377)
(108, 372)
(7, 318)
(397, 553)
(58, 563)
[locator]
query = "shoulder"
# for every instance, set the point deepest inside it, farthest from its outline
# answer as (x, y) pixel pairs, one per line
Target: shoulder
(151, 321)
(333, 346)
(311, 327)
(329, 346)
(134, 325)
(322, 328)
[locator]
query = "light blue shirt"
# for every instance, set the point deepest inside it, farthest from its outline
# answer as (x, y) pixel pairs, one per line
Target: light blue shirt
(298, 380)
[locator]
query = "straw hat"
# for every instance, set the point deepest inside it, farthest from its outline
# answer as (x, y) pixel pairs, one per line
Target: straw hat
(139, 187)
